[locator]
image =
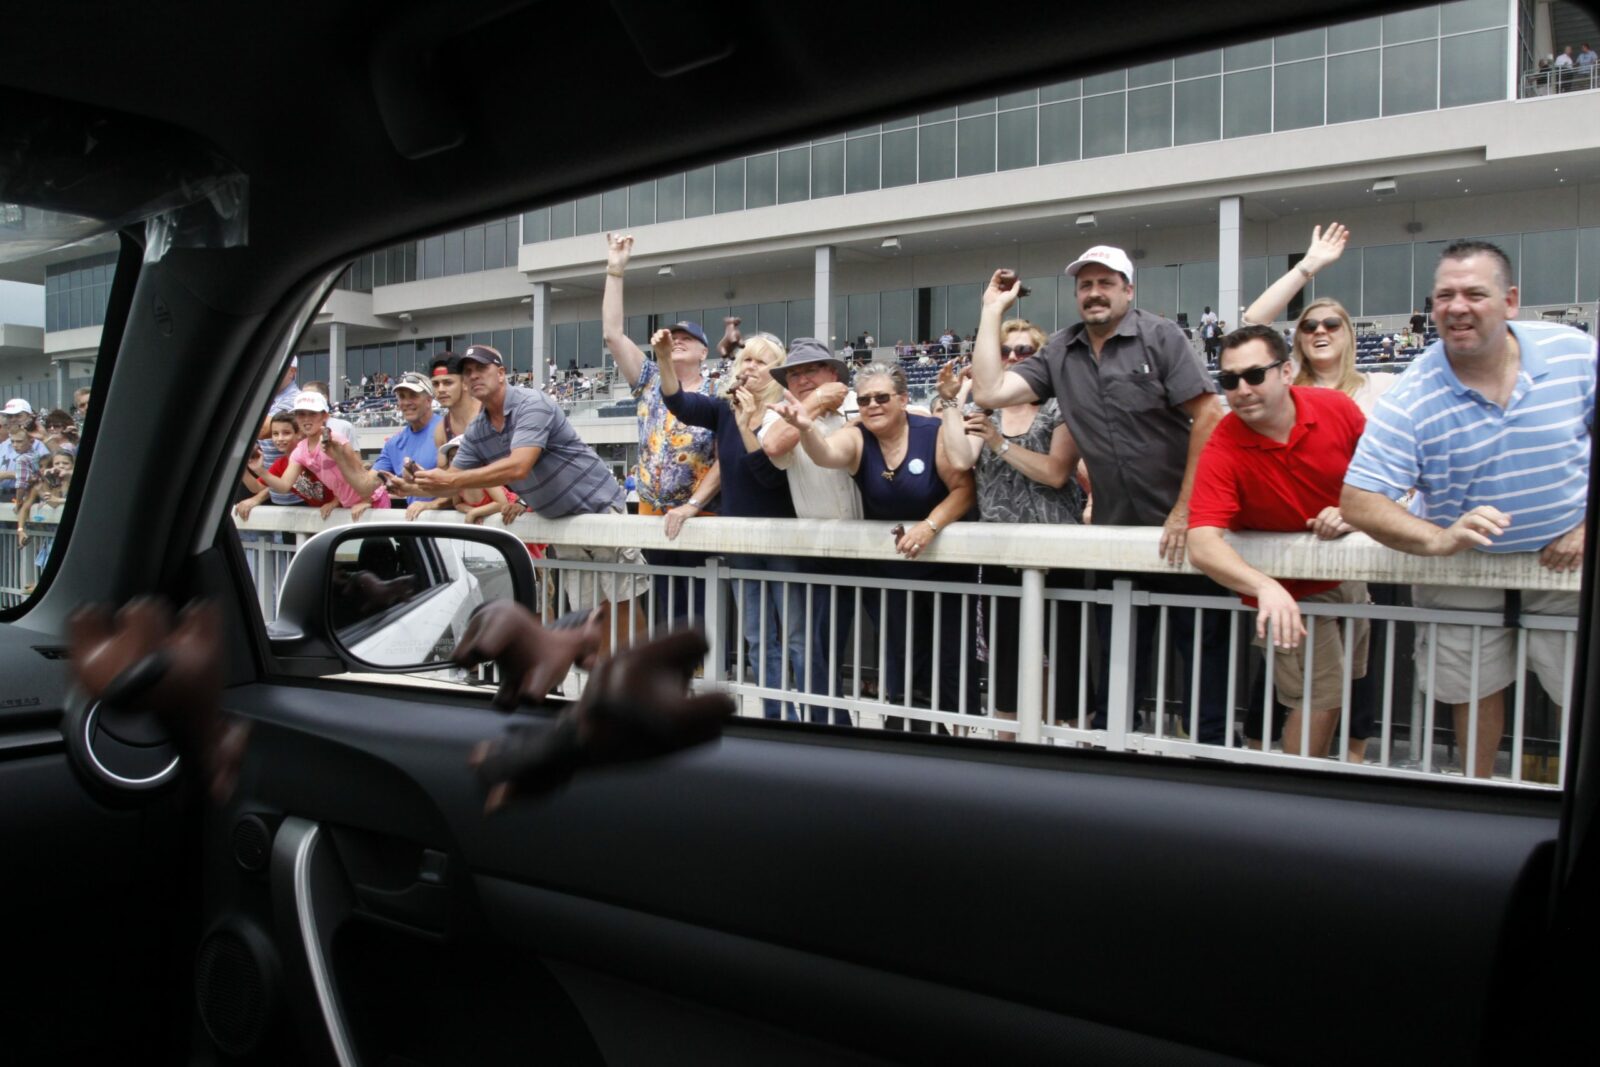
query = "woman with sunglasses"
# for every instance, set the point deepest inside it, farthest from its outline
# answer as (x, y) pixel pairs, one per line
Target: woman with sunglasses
(751, 488)
(1026, 464)
(906, 476)
(1324, 342)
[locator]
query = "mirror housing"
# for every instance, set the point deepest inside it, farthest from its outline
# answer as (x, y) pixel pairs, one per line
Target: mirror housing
(413, 586)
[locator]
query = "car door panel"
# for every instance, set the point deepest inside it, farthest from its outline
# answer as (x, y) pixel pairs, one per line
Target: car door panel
(804, 879)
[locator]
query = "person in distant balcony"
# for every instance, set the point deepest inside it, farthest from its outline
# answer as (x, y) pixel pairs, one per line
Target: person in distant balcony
(1491, 426)
(1277, 462)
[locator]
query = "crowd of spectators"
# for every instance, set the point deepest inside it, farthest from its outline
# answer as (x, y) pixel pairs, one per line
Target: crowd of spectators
(1113, 420)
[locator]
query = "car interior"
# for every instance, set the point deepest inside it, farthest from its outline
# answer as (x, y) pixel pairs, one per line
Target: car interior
(789, 895)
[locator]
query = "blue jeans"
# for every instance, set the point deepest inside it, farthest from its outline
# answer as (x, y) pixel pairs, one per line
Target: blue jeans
(767, 634)
(825, 656)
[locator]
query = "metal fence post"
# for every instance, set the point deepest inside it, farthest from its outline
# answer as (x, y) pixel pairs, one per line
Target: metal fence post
(712, 619)
(1119, 667)
(1030, 638)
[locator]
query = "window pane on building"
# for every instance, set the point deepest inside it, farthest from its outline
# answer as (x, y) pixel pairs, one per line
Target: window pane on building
(1297, 95)
(614, 211)
(1410, 78)
(1196, 65)
(1353, 86)
(964, 308)
(1549, 267)
(1247, 103)
(1039, 306)
(975, 145)
(1197, 287)
(1026, 98)
(802, 319)
(433, 257)
(794, 175)
(1110, 82)
(827, 169)
(1473, 68)
(1069, 90)
(1150, 118)
(761, 180)
(698, 185)
(977, 107)
(535, 226)
(496, 246)
(1341, 281)
(588, 215)
(455, 244)
(899, 158)
(730, 185)
(1411, 25)
(566, 345)
(1250, 54)
(1471, 15)
(669, 198)
(474, 245)
(1058, 132)
(896, 323)
(773, 318)
(863, 315)
(560, 224)
(1104, 125)
(641, 204)
(590, 349)
(1150, 73)
(1197, 111)
(1156, 290)
(936, 152)
(1019, 138)
(1589, 266)
(861, 164)
(1386, 280)
(1306, 44)
(1350, 36)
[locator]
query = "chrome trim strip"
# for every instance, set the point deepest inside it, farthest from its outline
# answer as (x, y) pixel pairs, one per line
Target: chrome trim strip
(88, 746)
(321, 978)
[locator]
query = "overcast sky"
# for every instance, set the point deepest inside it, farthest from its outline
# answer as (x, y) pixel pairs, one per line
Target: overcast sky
(21, 304)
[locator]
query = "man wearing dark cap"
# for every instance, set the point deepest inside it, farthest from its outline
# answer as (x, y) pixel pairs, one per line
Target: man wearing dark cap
(523, 441)
(1141, 407)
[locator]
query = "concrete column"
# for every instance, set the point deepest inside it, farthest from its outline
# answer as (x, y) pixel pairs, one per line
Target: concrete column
(336, 348)
(63, 401)
(824, 296)
(1229, 299)
(539, 316)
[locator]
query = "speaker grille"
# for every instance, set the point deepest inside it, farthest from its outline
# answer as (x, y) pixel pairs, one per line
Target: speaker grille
(251, 842)
(232, 992)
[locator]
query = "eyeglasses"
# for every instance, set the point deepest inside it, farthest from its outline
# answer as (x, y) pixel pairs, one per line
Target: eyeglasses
(868, 400)
(1254, 376)
(1021, 351)
(1331, 324)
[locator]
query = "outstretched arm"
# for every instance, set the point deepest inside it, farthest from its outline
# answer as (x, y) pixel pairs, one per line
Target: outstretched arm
(1325, 248)
(613, 325)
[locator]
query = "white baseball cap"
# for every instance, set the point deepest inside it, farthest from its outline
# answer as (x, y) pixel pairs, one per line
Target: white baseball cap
(310, 400)
(1112, 258)
(18, 406)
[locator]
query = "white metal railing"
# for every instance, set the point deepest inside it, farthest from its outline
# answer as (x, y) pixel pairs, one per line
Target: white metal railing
(1559, 80)
(875, 650)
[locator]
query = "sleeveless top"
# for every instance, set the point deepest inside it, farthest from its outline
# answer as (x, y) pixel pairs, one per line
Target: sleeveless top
(910, 491)
(1005, 494)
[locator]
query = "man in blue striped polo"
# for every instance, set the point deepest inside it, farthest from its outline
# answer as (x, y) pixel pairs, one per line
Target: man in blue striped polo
(1491, 426)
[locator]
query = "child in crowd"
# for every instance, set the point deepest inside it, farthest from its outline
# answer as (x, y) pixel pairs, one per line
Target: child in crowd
(49, 490)
(311, 455)
(21, 454)
(475, 504)
(285, 436)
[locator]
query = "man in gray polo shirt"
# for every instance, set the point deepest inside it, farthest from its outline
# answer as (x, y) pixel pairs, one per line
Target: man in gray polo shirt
(521, 440)
(1141, 407)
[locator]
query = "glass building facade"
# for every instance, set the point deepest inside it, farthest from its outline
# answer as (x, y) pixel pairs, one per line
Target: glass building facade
(75, 293)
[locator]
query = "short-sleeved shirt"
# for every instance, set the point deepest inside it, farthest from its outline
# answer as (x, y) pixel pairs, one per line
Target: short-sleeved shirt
(673, 456)
(411, 444)
(1247, 481)
(1124, 410)
(819, 492)
(328, 473)
(1530, 459)
(24, 464)
(282, 404)
(567, 479)
(308, 487)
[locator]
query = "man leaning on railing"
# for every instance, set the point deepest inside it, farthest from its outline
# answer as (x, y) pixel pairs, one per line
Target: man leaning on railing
(1491, 426)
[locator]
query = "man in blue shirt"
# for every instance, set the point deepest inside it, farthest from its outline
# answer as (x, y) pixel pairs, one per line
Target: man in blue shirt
(1491, 426)
(414, 441)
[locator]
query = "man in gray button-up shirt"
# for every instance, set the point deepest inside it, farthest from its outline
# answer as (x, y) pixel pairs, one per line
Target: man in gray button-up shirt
(1140, 408)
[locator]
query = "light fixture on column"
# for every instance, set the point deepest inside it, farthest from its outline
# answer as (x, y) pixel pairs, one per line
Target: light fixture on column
(404, 316)
(1086, 222)
(1384, 187)
(891, 244)
(665, 272)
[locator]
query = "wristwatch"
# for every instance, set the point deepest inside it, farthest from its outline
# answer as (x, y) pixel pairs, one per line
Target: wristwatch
(1005, 446)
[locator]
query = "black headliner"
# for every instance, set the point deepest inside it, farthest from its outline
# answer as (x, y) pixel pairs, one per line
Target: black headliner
(552, 99)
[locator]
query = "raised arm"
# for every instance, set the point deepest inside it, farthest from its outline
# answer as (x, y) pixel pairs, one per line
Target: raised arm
(348, 460)
(1325, 248)
(661, 344)
(992, 385)
(780, 438)
(613, 324)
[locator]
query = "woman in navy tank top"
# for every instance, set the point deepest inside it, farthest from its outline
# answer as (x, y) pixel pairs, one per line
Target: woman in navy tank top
(899, 463)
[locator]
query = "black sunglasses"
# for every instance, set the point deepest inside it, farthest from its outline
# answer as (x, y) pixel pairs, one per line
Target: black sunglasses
(1330, 324)
(1229, 381)
(1021, 351)
(867, 400)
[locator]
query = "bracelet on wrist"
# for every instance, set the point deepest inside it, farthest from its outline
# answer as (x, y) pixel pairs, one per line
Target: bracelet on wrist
(614, 273)
(1304, 273)
(693, 503)
(932, 525)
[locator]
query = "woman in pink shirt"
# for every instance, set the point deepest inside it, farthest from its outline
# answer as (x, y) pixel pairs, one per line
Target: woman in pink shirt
(311, 454)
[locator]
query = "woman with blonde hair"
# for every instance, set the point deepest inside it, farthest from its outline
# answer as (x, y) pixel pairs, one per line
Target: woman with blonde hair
(1324, 347)
(752, 487)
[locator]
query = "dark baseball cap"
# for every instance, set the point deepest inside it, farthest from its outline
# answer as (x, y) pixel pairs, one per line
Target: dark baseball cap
(483, 354)
(692, 329)
(449, 363)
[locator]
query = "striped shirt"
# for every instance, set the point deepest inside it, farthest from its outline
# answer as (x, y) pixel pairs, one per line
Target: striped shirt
(567, 478)
(1461, 451)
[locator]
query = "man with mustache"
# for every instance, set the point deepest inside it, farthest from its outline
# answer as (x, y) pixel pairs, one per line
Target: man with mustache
(1140, 406)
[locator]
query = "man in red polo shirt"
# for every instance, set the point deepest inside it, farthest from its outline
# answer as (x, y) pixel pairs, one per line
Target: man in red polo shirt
(1277, 462)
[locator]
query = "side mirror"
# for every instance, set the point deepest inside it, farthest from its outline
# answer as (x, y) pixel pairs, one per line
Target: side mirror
(392, 597)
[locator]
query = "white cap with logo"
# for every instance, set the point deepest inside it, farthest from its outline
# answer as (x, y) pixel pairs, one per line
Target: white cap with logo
(18, 406)
(310, 400)
(1106, 256)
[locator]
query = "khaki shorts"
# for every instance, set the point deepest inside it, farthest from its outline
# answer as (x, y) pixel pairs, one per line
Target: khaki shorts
(585, 589)
(1325, 637)
(1497, 649)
